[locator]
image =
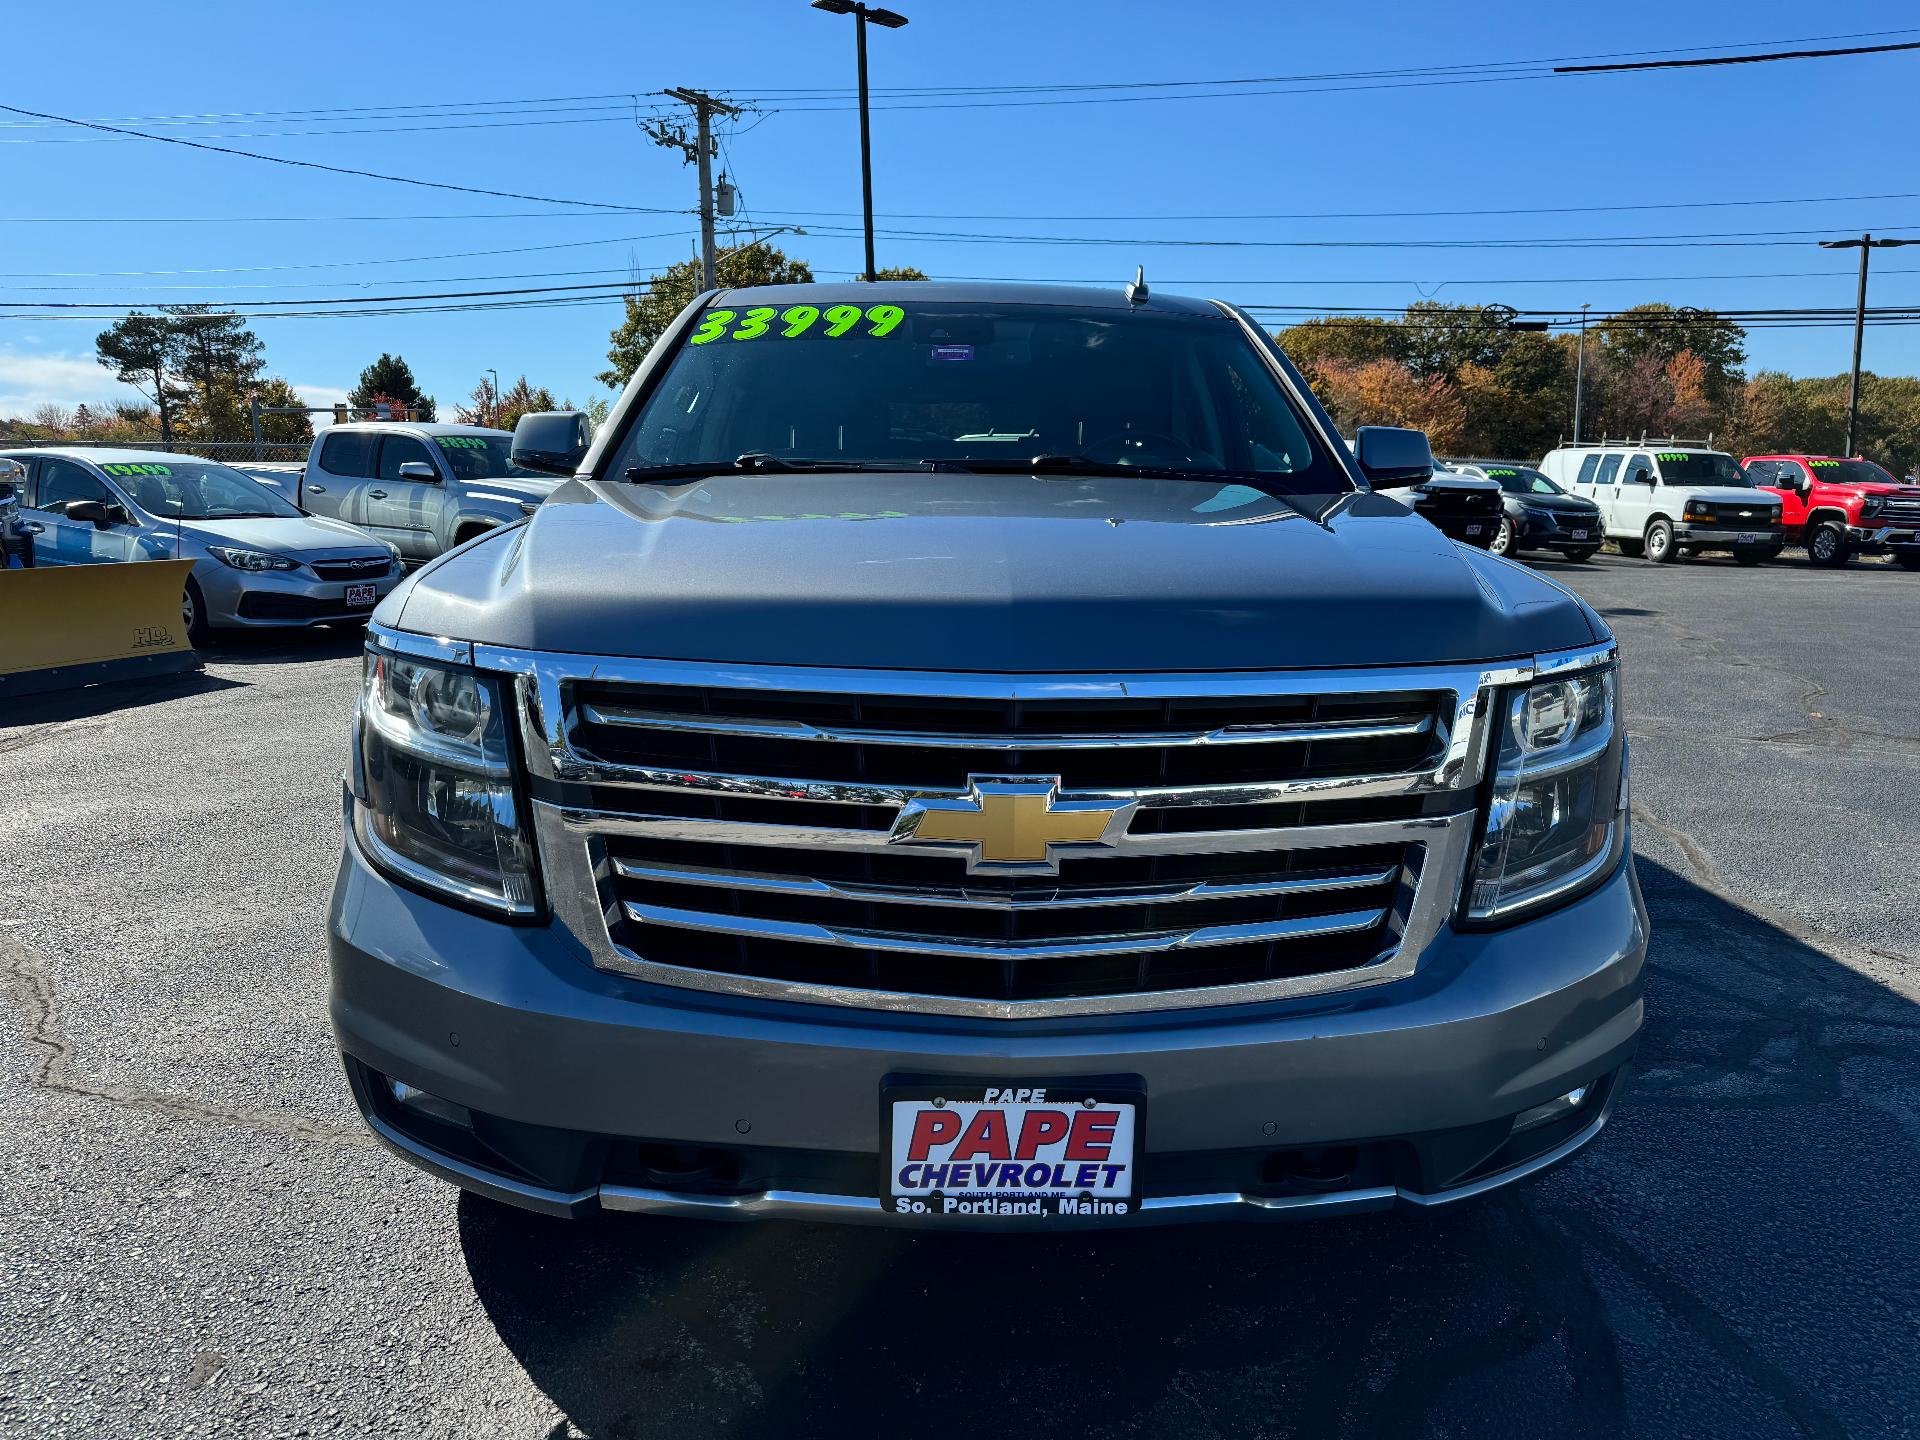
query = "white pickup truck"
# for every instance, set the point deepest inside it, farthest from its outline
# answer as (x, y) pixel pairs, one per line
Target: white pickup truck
(423, 488)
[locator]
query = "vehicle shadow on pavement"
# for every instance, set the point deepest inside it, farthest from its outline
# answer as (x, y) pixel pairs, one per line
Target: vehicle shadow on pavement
(56, 707)
(1698, 1271)
(285, 647)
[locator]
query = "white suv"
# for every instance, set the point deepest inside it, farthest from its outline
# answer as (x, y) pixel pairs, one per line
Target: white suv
(1669, 498)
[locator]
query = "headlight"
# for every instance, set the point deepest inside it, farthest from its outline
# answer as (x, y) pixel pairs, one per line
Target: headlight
(251, 559)
(393, 554)
(1696, 513)
(433, 783)
(1872, 505)
(1558, 815)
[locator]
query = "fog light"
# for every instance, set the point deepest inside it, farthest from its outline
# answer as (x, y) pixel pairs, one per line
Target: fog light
(1551, 1111)
(422, 1102)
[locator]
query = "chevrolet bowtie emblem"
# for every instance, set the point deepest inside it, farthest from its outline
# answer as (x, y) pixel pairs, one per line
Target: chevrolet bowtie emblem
(1011, 826)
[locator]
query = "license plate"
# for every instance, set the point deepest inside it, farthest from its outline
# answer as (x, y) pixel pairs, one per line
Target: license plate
(361, 595)
(1473, 529)
(1062, 1149)
(1751, 537)
(1579, 534)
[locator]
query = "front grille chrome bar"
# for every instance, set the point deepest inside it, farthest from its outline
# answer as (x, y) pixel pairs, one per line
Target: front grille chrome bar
(577, 820)
(1306, 732)
(1147, 943)
(954, 898)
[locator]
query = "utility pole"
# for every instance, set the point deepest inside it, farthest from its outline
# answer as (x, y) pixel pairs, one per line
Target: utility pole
(1864, 245)
(1579, 374)
(887, 19)
(698, 151)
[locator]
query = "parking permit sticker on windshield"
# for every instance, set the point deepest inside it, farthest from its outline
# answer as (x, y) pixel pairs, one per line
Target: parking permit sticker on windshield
(875, 322)
(136, 470)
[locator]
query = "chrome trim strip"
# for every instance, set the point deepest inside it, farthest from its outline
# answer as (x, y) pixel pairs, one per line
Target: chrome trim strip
(1565, 662)
(1300, 734)
(580, 882)
(580, 820)
(424, 647)
(849, 792)
(964, 899)
(1151, 942)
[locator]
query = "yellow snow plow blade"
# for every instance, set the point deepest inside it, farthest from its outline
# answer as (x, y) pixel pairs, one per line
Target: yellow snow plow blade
(67, 625)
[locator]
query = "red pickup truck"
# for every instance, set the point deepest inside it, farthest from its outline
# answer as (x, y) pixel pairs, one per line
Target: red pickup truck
(1840, 508)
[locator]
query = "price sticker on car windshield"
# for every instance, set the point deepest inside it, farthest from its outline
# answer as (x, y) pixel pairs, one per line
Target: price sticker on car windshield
(770, 322)
(1817, 464)
(460, 442)
(136, 469)
(1503, 472)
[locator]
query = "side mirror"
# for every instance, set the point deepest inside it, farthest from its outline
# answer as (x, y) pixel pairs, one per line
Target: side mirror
(419, 470)
(553, 442)
(1391, 456)
(1803, 483)
(92, 512)
(1640, 477)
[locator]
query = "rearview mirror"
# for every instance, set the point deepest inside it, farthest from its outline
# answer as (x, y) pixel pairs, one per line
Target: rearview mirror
(552, 441)
(93, 512)
(1389, 455)
(419, 470)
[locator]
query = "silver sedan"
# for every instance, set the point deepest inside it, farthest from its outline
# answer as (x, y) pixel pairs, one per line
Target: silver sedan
(260, 561)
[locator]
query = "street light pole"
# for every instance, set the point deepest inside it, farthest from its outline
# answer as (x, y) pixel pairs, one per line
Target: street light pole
(1579, 374)
(496, 396)
(1864, 244)
(889, 20)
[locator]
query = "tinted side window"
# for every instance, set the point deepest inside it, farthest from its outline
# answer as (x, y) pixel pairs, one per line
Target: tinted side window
(397, 450)
(1638, 464)
(62, 482)
(1609, 467)
(1785, 472)
(1588, 465)
(1767, 472)
(349, 453)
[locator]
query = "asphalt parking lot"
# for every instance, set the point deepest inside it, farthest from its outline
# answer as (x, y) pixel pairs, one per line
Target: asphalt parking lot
(198, 1238)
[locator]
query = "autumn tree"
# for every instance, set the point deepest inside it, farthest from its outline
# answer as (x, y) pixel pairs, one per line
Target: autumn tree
(1349, 339)
(661, 297)
(1385, 392)
(390, 378)
(1664, 331)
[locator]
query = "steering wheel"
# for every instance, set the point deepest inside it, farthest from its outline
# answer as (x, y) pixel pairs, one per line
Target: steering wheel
(1139, 447)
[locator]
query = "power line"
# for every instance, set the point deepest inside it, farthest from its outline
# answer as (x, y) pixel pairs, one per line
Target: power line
(335, 169)
(1735, 59)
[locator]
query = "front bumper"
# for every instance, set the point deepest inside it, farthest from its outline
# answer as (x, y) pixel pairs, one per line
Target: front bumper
(1537, 533)
(1885, 537)
(278, 599)
(1770, 540)
(587, 1090)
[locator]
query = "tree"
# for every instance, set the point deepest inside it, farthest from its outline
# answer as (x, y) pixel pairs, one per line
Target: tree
(662, 297)
(1437, 339)
(1350, 339)
(519, 398)
(1663, 331)
(899, 272)
(144, 352)
(282, 429)
(1385, 392)
(220, 361)
(391, 379)
(483, 404)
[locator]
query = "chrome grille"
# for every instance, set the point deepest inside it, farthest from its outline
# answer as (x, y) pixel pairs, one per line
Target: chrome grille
(371, 567)
(737, 830)
(1898, 512)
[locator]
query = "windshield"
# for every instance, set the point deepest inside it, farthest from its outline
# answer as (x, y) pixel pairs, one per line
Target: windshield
(185, 489)
(483, 457)
(1701, 467)
(1518, 480)
(976, 387)
(1850, 472)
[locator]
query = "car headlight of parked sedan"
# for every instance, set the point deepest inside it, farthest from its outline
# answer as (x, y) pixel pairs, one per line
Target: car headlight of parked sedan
(434, 800)
(1557, 818)
(251, 559)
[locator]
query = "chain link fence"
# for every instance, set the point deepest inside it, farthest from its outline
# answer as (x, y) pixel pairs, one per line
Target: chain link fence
(230, 451)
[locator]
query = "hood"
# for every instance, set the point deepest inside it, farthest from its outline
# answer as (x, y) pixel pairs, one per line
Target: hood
(1015, 573)
(520, 487)
(287, 535)
(1729, 494)
(1869, 487)
(1558, 504)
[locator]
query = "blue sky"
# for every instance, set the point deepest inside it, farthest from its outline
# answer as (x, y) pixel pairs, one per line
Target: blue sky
(1774, 132)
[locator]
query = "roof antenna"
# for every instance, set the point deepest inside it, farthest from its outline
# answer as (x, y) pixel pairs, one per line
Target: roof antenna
(1137, 291)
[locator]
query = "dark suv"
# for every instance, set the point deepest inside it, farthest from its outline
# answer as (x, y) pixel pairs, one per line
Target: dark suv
(982, 756)
(1538, 514)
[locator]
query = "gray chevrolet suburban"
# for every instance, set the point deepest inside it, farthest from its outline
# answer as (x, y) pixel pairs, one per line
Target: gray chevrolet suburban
(982, 756)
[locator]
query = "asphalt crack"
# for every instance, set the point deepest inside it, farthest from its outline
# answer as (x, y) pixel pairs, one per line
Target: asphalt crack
(54, 1071)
